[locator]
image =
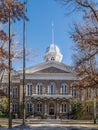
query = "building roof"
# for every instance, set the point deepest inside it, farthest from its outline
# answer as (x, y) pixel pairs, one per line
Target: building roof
(46, 65)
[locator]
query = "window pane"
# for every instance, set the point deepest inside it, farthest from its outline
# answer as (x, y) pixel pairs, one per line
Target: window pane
(63, 89)
(29, 89)
(63, 107)
(74, 93)
(52, 89)
(29, 107)
(39, 107)
(14, 107)
(39, 89)
(14, 92)
(5, 89)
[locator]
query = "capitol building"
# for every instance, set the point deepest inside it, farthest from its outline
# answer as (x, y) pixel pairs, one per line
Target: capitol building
(49, 88)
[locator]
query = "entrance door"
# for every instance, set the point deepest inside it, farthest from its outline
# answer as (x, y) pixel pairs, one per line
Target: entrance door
(51, 109)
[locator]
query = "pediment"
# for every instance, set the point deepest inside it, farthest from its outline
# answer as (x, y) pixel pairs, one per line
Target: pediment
(51, 70)
(49, 67)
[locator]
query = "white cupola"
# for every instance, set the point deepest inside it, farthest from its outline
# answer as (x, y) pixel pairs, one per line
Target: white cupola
(53, 52)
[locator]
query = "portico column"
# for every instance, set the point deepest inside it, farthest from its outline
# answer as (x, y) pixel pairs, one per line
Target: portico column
(70, 106)
(33, 107)
(60, 105)
(58, 108)
(45, 108)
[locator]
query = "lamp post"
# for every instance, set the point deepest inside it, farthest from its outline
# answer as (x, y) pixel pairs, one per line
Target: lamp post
(24, 58)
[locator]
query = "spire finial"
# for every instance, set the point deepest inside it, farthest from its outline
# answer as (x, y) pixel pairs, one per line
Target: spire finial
(52, 32)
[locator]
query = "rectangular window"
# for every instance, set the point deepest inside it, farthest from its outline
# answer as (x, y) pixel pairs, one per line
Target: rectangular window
(63, 89)
(29, 107)
(29, 89)
(63, 107)
(39, 89)
(5, 89)
(80, 94)
(14, 92)
(52, 89)
(74, 92)
(14, 107)
(39, 107)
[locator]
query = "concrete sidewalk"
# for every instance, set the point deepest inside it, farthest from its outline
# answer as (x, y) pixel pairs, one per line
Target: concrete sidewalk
(37, 121)
(50, 127)
(51, 124)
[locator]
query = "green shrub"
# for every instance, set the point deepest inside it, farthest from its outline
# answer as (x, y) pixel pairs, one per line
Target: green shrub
(77, 111)
(3, 115)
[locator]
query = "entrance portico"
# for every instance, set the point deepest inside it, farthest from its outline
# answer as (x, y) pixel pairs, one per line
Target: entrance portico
(51, 105)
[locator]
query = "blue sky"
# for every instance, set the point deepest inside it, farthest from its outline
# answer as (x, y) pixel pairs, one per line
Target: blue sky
(41, 13)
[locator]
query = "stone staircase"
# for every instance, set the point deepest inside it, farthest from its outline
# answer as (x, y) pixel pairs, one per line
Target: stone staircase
(51, 117)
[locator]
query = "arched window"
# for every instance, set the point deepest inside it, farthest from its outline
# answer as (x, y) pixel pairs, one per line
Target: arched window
(29, 89)
(39, 107)
(64, 89)
(52, 88)
(52, 58)
(14, 92)
(63, 107)
(39, 88)
(29, 107)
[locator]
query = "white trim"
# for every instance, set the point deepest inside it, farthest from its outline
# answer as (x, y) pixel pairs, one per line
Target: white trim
(50, 76)
(54, 96)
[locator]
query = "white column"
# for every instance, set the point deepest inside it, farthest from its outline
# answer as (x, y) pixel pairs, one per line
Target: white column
(60, 105)
(45, 108)
(58, 108)
(33, 107)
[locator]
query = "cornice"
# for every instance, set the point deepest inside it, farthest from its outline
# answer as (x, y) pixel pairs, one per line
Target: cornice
(50, 76)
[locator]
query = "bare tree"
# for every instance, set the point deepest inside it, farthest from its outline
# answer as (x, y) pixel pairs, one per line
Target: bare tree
(15, 8)
(85, 37)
